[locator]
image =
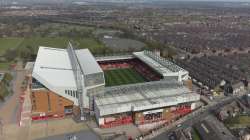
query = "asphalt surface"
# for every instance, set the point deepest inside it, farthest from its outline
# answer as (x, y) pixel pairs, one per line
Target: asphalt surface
(81, 135)
(191, 121)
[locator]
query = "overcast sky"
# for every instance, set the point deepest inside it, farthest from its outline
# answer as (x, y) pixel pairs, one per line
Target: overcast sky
(207, 0)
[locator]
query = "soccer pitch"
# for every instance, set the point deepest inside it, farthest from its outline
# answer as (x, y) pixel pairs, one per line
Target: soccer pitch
(122, 77)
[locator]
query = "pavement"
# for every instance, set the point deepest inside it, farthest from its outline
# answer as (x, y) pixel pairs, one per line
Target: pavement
(9, 109)
(81, 135)
(42, 129)
(193, 118)
(130, 130)
(10, 116)
(25, 108)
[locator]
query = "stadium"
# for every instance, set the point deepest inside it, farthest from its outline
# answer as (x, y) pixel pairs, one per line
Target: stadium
(139, 88)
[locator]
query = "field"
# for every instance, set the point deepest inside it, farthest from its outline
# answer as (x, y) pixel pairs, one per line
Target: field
(7, 43)
(20, 44)
(5, 65)
(57, 42)
(122, 76)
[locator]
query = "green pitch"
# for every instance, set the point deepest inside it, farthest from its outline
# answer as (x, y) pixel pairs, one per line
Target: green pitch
(122, 77)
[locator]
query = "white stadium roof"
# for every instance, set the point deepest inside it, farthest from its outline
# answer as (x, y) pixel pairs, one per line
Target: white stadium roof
(163, 66)
(53, 67)
(143, 96)
(87, 62)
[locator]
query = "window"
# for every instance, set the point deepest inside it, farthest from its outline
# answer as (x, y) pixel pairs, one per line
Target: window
(72, 93)
(76, 94)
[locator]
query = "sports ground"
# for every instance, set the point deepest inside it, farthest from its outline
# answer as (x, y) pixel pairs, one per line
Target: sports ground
(122, 77)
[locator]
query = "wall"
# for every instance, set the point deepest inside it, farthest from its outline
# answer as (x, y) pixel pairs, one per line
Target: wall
(45, 102)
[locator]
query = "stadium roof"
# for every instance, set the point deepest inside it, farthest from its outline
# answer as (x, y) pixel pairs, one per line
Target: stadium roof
(87, 62)
(163, 66)
(114, 57)
(53, 67)
(143, 96)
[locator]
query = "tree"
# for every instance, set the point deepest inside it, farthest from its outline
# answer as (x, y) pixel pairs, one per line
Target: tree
(26, 52)
(10, 54)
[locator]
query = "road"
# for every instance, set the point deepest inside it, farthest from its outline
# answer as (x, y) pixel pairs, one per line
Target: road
(196, 117)
(81, 135)
(10, 107)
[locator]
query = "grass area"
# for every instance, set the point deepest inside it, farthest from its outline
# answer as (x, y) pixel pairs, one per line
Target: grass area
(4, 65)
(60, 42)
(35, 42)
(21, 44)
(51, 35)
(195, 135)
(56, 42)
(90, 43)
(238, 121)
(6, 43)
(122, 76)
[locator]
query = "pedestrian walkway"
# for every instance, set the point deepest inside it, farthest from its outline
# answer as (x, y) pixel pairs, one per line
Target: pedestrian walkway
(25, 111)
(9, 110)
(129, 130)
(41, 129)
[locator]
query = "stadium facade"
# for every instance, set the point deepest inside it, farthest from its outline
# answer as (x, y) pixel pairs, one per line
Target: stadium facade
(68, 81)
(69, 77)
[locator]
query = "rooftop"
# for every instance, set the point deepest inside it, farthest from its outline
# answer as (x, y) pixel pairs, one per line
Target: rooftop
(210, 128)
(87, 62)
(53, 66)
(143, 96)
(163, 66)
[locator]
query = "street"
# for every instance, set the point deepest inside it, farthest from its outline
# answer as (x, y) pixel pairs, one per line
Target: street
(196, 117)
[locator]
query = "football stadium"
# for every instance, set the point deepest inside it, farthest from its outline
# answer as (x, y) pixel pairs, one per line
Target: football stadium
(139, 88)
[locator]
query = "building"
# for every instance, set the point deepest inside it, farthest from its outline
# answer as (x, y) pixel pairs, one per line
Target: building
(238, 88)
(230, 110)
(166, 68)
(68, 81)
(55, 77)
(212, 129)
(144, 103)
(206, 131)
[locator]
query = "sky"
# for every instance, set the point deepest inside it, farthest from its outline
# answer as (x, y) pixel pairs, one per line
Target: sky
(207, 0)
(176, 0)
